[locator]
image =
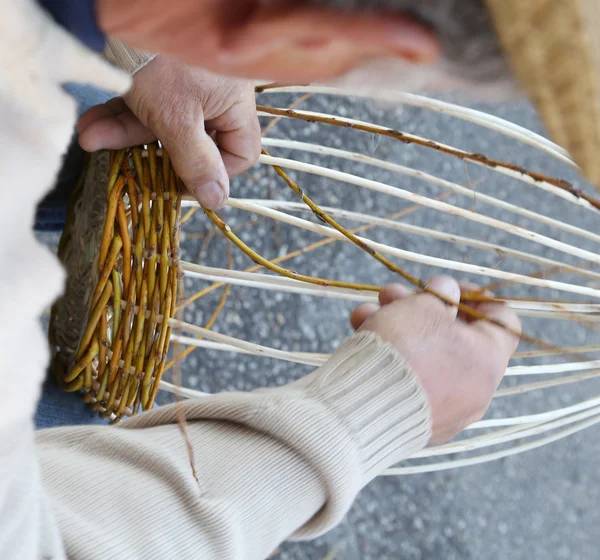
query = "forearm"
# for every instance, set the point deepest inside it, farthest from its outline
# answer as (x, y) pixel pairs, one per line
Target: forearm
(270, 464)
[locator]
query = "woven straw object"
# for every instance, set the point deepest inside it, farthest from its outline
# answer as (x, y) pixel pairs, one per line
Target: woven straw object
(120, 249)
(554, 48)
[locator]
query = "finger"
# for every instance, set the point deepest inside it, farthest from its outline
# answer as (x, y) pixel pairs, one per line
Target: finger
(199, 164)
(502, 314)
(103, 128)
(238, 137)
(471, 289)
(446, 287)
(393, 292)
(111, 108)
(362, 313)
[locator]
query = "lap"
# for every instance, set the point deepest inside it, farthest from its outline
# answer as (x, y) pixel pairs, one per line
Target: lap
(58, 408)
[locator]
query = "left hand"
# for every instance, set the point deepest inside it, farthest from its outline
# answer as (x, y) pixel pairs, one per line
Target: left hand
(208, 124)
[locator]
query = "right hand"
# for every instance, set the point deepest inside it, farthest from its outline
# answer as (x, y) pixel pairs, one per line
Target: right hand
(460, 362)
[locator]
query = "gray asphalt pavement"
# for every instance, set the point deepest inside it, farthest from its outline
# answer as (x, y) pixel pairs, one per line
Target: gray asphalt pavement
(539, 505)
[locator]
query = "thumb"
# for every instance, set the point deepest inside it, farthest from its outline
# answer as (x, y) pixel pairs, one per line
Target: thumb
(199, 164)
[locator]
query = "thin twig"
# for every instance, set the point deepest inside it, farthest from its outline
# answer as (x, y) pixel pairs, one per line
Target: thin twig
(418, 283)
(292, 105)
(537, 178)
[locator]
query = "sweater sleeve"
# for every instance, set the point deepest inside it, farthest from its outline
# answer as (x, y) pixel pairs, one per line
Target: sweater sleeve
(273, 464)
(126, 58)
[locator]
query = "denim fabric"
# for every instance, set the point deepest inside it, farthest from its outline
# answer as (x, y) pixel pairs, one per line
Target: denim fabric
(87, 96)
(51, 213)
(57, 408)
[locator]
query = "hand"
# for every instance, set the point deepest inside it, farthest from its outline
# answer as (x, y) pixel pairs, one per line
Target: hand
(208, 124)
(460, 362)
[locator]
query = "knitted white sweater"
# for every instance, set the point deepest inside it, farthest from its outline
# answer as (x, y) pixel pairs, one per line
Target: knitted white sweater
(270, 464)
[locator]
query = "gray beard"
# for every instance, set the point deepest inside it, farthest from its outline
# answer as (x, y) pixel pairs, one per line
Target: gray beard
(472, 56)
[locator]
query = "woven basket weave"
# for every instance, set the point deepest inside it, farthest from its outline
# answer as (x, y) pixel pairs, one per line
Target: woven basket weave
(110, 332)
(554, 48)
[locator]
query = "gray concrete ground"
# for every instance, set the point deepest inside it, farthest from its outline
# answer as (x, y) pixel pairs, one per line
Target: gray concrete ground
(542, 504)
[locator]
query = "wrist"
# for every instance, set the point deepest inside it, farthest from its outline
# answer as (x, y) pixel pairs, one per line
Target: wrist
(373, 391)
(368, 412)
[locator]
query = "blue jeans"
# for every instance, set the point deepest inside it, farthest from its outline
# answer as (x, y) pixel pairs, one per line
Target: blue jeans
(57, 408)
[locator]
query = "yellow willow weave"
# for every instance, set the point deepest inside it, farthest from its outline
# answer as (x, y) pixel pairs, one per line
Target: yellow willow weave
(119, 356)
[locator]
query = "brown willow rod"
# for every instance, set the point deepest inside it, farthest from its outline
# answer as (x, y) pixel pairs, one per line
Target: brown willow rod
(418, 283)
(309, 248)
(260, 260)
(410, 139)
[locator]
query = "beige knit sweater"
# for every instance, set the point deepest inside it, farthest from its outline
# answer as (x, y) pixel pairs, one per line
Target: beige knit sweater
(272, 464)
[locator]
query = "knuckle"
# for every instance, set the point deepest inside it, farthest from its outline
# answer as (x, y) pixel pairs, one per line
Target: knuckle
(255, 147)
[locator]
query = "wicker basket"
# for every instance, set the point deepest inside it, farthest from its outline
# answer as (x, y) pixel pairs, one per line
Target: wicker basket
(110, 332)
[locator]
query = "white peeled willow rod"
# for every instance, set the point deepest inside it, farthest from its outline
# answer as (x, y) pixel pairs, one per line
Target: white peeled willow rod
(289, 285)
(507, 436)
(207, 344)
(557, 352)
(480, 118)
(183, 391)
(229, 344)
(535, 418)
(417, 230)
(480, 198)
(476, 442)
(562, 307)
(561, 315)
(528, 387)
(278, 283)
(553, 368)
(417, 257)
(427, 202)
(256, 349)
(211, 345)
(446, 465)
(466, 156)
(232, 344)
(504, 436)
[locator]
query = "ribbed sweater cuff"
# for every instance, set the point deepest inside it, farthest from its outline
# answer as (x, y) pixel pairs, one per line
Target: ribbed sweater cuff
(361, 412)
(376, 395)
(128, 59)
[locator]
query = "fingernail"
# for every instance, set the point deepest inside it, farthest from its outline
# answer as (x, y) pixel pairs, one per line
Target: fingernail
(210, 195)
(446, 286)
